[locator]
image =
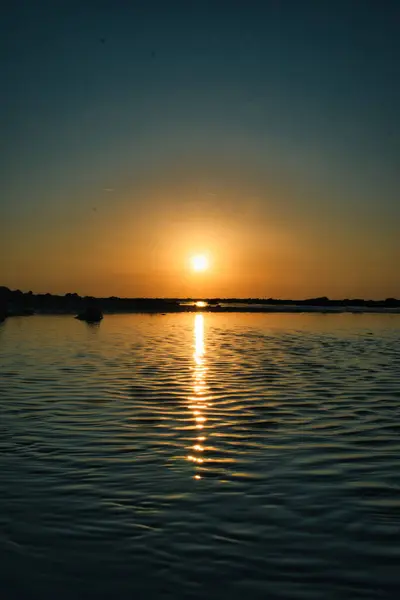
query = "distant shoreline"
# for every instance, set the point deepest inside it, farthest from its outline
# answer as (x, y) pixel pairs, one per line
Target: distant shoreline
(227, 310)
(18, 303)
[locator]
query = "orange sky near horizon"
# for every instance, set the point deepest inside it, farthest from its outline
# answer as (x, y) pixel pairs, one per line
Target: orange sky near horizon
(254, 248)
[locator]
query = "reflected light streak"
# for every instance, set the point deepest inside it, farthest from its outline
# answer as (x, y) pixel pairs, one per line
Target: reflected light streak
(197, 405)
(199, 338)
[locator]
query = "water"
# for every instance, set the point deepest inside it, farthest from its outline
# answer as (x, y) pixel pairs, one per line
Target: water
(200, 456)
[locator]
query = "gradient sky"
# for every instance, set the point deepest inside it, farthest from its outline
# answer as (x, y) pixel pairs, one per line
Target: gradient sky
(263, 133)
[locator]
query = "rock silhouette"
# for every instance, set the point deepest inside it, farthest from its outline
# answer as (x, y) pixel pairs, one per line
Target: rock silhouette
(92, 314)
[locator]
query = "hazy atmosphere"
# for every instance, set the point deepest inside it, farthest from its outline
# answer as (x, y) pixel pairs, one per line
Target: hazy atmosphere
(262, 135)
(199, 300)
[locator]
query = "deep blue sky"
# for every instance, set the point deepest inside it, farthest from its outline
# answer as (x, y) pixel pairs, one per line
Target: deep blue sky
(270, 125)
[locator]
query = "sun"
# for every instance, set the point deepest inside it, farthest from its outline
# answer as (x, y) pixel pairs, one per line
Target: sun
(199, 263)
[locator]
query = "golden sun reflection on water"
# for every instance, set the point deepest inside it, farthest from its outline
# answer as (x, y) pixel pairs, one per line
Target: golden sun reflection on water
(201, 304)
(197, 401)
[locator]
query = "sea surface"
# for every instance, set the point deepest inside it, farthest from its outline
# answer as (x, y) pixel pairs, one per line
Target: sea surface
(200, 456)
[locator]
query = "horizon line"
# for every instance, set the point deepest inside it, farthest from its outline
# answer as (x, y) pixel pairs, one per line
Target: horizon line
(198, 298)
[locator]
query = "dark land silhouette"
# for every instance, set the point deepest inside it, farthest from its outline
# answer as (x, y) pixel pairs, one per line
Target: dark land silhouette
(16, 302)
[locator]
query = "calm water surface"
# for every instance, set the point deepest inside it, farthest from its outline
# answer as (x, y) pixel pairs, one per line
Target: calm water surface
(200, 456)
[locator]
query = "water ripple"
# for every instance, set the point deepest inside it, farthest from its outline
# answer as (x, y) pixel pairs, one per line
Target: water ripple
(200, 455)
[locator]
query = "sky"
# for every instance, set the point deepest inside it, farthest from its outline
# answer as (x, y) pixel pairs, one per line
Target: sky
(263, 134)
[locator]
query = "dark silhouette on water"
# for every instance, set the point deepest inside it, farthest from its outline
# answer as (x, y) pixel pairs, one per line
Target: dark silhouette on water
(92, 314)
(3, 311)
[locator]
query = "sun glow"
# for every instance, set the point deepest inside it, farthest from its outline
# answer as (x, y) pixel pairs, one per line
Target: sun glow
(201, 304)
(199, 263)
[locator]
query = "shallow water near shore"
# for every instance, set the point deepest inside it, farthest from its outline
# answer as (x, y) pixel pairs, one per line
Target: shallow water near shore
(200, 456)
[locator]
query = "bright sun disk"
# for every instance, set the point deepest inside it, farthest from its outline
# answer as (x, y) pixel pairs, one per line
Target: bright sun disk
(199, 262)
